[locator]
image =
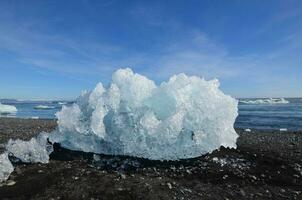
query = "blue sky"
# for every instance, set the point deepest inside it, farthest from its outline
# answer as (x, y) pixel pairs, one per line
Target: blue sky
(55, 49)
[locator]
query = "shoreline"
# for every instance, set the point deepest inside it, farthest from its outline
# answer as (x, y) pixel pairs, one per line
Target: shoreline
(265, 165)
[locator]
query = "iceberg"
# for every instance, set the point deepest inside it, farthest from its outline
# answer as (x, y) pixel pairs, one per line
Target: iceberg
(6, 167)
(7, 109)
(184, 117)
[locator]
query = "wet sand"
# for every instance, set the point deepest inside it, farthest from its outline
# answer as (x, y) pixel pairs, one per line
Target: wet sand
(265, 165)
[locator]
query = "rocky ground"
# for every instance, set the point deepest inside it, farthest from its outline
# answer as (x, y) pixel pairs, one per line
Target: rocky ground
(266, 165)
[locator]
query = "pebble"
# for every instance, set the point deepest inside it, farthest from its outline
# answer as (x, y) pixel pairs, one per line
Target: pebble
(187, 190)
(254, 177)
(296, 176)
(169, 186)
(123, 176)
(242, 192)
(18, 170)
(10, 183)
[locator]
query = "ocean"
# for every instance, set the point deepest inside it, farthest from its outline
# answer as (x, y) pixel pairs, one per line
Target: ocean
(260, 113)
(34, 109)
(272, 114)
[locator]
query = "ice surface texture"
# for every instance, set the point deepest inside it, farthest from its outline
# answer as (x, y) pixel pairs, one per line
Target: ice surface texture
(182, 118)
(6, 109)
(5, 167)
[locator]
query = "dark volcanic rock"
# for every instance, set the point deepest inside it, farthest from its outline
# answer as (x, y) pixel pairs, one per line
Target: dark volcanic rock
(266, 165)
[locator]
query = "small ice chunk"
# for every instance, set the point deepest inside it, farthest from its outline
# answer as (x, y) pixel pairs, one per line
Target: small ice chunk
(247, 130)
(283, 129)
(32, 151)
(7, 109)
(6, 167)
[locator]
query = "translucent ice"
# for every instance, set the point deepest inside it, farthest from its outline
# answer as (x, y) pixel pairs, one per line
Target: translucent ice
(182, 118)
(6, 109)
(5, 167)
(32, 151)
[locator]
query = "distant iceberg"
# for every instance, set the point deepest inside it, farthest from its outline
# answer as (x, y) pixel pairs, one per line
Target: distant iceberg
(62, 103)
(7, 109)
(265, 101)
(43, 107)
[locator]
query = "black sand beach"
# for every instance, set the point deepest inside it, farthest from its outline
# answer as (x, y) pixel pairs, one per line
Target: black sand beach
(266, 165)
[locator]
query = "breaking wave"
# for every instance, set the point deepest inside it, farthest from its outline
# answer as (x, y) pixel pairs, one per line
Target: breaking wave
(265, 101)
(43, 107)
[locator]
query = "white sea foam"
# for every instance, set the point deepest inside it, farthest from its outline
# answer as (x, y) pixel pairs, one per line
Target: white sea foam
(182, 118)
(43, 107)
(265, 101)
(7, 109)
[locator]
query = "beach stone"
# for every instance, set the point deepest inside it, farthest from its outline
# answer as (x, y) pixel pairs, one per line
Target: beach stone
(10, 183)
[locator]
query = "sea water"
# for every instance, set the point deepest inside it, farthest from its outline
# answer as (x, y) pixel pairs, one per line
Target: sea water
(276, 114)
(34, 109)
